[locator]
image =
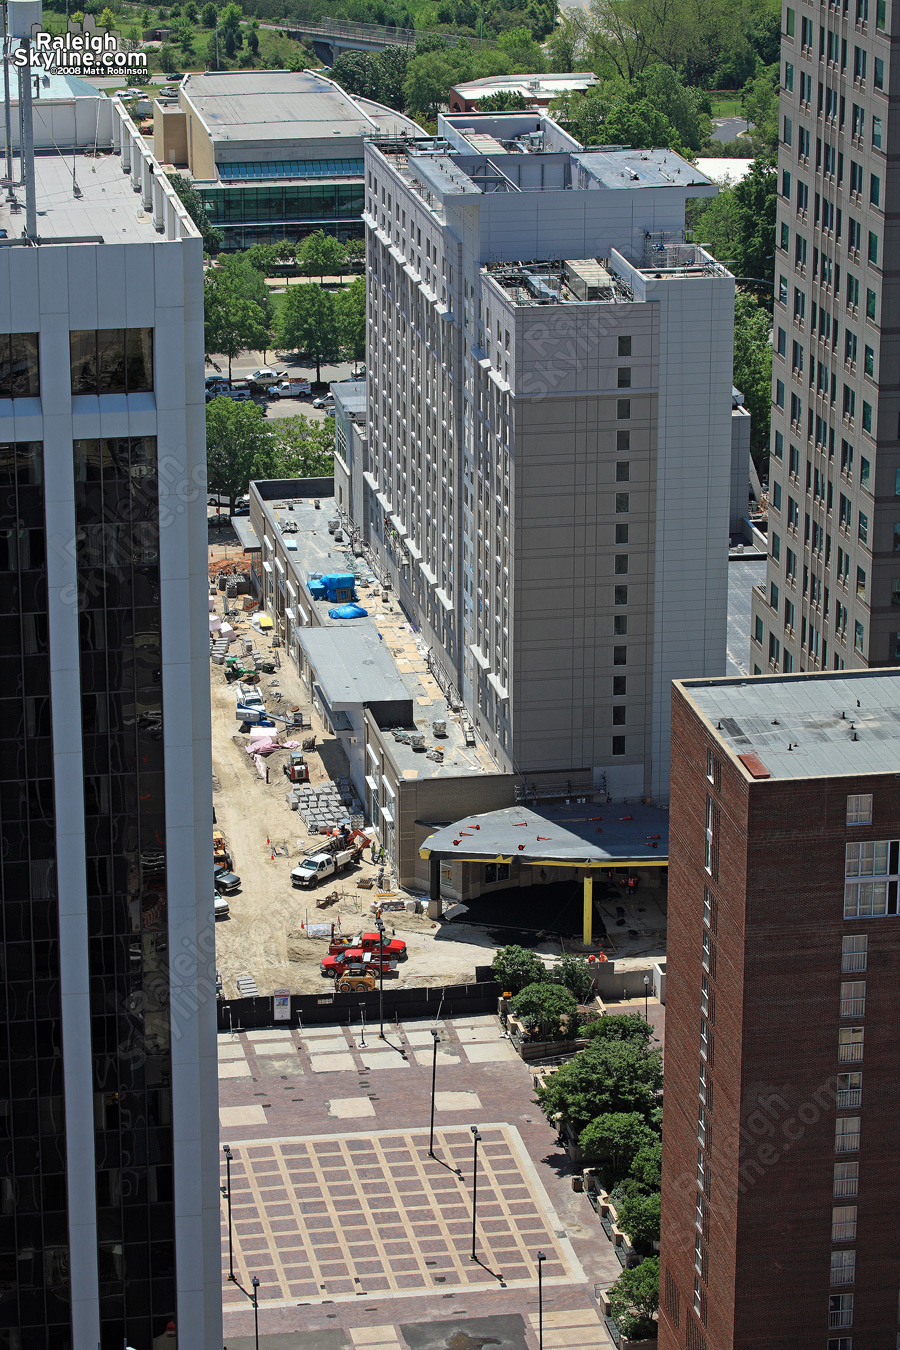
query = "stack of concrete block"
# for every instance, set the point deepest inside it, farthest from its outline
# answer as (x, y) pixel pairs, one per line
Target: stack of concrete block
(320, 807)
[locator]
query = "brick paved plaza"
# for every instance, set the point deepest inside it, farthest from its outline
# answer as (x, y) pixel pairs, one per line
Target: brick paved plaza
(359, 1239)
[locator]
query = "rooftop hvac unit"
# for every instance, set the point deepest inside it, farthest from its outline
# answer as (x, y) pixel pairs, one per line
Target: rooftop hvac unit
(417, 740)
(338, 536)
(333, 524)
(439, 727)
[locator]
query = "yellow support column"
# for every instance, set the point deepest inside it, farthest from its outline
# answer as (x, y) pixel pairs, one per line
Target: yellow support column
(588, 934)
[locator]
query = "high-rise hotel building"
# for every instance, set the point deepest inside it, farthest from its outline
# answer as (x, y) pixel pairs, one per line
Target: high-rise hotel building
(832, 592)
(109, 1226)
(549, 437)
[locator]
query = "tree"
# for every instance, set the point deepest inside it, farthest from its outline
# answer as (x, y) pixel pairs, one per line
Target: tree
(521, 48)
(237, 440)
(548, 1010)
(357, 73)
(606, 1076)
(615, 1027)
(508, 101)
(299, 448)
(618, 1136)
(167, 58)
(738, 226)
(515, 967)
(237, 309)
(753, 369)
(322, 254)
(576, 974)
(355, 249)
(687, 110)
(309, 323)
(640, 125)
(634, 1299)
(351, 304)
(639, 1218)
(263, 257)
(390, 71)
(426, 87)
(208, 16)
(193, 203)
(107, 19)
(646, 1167)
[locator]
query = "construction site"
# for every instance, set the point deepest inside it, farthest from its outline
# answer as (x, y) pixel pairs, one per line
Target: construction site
(285, 793)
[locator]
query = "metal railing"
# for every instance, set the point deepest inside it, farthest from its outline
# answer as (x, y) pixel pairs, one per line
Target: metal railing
(372, 32)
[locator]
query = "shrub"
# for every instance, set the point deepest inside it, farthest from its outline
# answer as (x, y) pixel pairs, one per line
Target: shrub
(576, 974)
(515, 967)
(615, 1027)
(639, 1218)
(547, 1010)
(646, 1167)
(634, 1299)
(618, 1136)
(606, 1076)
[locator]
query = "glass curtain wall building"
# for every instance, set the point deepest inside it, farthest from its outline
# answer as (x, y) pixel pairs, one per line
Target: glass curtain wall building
(109, 1204)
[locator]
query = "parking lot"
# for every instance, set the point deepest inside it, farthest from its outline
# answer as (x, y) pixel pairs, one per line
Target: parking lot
(351, 1227)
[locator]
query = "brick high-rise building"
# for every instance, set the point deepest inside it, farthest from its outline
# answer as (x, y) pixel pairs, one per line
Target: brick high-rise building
(833, 578)
(780, 1178)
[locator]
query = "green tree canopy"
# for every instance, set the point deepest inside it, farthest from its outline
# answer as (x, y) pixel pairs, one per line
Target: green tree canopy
(634, 1299)
(237, 441)
(193, 203)
(322, 254)
(548, 1010)
(515, 967)
(646, 1167)
(298, 447)
(616, 1027)
(237, 309)
(310, 323)
(208, 16)
(753, 369)
(351, 305)
(686, 110)
(606, 1076)
(639, 1218)
(576, 974)
(617, 1136)
(503, 101)
(738, 226)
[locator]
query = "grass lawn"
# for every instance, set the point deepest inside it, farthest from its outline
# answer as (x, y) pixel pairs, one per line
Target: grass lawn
(726, 105)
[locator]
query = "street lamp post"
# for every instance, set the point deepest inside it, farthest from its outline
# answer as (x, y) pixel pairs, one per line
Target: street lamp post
(476, 1140)
(541, 1258)
(379, 924)
(437, 1041)
(256, 1310)
(646, 995)
(226, 1191)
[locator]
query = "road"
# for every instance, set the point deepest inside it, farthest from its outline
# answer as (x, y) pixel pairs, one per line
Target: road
(728, 129)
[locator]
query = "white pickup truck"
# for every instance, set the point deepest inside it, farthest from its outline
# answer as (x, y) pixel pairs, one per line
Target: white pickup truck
(291, 388)
(320, 865)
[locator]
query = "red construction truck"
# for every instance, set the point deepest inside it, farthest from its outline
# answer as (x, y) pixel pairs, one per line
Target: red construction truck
(368, 942)
(354, 960)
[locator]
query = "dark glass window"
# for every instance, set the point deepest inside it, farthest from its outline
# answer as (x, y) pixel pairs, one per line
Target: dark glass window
(112, 361)
(19, 373)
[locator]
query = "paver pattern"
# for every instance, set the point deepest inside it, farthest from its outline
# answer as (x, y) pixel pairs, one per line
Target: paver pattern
(318, 1218)
(359, 1239)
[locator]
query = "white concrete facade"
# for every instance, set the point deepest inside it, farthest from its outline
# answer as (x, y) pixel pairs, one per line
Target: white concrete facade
(548, 469)
(131, 259)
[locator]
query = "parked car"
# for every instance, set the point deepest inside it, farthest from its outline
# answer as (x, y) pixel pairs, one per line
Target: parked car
(291, 388)
(225, 881)
(326, 401)
(356, 961)
(220, 905)
(267, 376)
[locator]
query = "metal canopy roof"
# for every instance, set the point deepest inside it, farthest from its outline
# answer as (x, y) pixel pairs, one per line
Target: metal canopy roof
(584, 834)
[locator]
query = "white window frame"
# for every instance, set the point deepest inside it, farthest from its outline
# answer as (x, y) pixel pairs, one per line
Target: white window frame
(859, 808)
(846, 1179)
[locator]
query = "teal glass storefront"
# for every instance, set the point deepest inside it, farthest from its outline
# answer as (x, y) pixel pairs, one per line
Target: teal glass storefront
(265, 214)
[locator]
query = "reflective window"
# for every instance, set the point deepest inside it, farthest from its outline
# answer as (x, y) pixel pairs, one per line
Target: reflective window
(112, 361)
(19, 374)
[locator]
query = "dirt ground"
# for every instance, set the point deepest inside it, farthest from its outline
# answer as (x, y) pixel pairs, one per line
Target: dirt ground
(265, 935)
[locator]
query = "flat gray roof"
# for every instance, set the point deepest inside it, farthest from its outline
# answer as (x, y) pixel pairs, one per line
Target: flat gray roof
(352, 665)
(245, 532)
(816, 715)
(275, 105)
(351, 394)
(641, 168)
(578, 833)
(107, 205)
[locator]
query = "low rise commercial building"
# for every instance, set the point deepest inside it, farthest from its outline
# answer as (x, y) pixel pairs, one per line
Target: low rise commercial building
(538, 90)
(274, 154)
